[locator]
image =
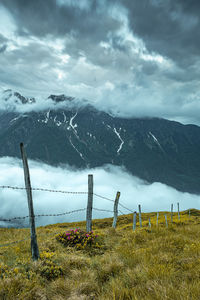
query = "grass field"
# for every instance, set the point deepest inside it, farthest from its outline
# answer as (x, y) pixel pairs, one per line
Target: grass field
(148, 263)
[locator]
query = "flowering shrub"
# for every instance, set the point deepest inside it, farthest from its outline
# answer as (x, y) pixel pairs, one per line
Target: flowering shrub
(50, 271)
(79, 239)
(48, 268)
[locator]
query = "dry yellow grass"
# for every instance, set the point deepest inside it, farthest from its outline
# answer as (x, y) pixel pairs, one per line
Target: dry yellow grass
(157, 263)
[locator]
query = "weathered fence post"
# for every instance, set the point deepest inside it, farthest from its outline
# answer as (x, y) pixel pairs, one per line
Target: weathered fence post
(178, 211)
(140, 216)
(166, 220)
(189, 212)
(134, 220)
(171, 213)
(90, 203)
(34, 245)
(116, 210)
(149, 222)
(157, 218)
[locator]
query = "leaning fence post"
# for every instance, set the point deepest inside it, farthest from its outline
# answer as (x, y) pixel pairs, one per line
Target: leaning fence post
(166, 220)
(140, 217)
(178, 211)
(116, 210)
(34, 245)
(134, 220)
(90, 203)
(157, 218)
(171, 213)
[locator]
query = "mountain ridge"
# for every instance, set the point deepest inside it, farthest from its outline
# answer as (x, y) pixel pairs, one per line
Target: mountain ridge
(153, 149)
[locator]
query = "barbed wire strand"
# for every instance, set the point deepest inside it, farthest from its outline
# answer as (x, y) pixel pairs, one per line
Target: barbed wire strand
(57, 215)
(121, 212)
(43, 215)
(40, 189)
(61, 214)
(126, 207)
(106, 210)
(16, 242)
(13, 219)
(102, 197)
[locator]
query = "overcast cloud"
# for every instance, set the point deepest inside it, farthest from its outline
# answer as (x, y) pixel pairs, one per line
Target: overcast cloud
(134, 58)
(107, 181)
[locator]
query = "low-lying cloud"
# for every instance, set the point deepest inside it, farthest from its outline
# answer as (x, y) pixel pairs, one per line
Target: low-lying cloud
(107, 181)
(10, 102)
(119, 104)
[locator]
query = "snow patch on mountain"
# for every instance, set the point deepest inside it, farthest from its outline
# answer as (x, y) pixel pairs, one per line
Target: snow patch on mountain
(65, 118)
(156, 141)
(14, 120)
(154, 138)
(71, 122)
(122, 142)
(81, 155)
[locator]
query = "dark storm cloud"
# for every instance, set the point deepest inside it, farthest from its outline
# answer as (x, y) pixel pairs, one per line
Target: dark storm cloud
(83, 29)
(41, 18)
(3, 44)
(168, 27)
(141, 56)
(3, 39)
(3, 48)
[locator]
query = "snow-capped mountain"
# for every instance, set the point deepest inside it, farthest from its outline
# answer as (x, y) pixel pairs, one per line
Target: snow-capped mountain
(15, 98)
(152, 149)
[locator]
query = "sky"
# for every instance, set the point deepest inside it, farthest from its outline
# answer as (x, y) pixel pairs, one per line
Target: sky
(107, 181)
(133, 58)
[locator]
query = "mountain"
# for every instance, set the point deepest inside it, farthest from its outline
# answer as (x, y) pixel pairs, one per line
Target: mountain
(9, 96)
(156, 150)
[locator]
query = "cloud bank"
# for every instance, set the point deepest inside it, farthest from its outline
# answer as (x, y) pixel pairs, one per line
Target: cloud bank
(10, 102)
(107, 181)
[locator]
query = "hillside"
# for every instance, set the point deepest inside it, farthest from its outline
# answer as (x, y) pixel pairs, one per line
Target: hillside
(152, 149)
(149, 263)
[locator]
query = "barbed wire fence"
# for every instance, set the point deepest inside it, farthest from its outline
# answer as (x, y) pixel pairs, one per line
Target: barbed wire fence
(90, 194)
(120, 212)
(22, 218)
(63, 192)
(59, 214)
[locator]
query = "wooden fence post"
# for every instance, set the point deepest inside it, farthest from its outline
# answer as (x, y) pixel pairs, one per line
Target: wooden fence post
(157, 218)
(171, 213)
(178, 211)
(134, 220)
(34, 245)
(140, 216)
(189, 212)
(116, 210)
(149, 222)
(166, 220)
(90, 203)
